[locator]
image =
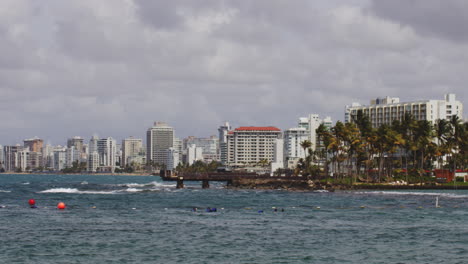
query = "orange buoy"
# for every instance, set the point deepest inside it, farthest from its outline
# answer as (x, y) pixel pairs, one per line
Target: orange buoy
(32, 202)
(61, 206)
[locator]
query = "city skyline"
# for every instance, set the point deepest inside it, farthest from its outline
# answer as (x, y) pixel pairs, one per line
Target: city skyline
(113, 67)
(143, 135)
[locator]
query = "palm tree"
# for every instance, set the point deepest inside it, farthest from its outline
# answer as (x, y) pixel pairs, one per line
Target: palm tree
(442, 133)
(306, 144)
(456, 139)
(323, 135)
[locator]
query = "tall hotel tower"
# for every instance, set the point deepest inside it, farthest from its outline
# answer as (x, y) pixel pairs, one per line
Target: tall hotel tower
(159, 139)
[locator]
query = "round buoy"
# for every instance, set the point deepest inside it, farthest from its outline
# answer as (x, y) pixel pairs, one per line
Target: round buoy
(61, 206)
(32, 202)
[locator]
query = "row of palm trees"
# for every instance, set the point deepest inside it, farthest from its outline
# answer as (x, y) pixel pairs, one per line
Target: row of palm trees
(409, 147)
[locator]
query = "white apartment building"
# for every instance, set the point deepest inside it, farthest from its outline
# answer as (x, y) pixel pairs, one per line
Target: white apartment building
(386, 110)
(48, 156)
(60, 159)
(131, 147)
(106, 149)
(194, 153)
(172, 158)
(92, 146)
(159, 139)
(293, 151)
(72, 155)
(277, 162)
(10, 157)
(23, 157)
(249, 145)
(311, 123)
(223, 132)
(178, 146)
(209, 147)
(93, 161)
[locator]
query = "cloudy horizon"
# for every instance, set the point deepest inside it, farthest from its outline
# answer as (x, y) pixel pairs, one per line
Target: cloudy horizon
(113, 67)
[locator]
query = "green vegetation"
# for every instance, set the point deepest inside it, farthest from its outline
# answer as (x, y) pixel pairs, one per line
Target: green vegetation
(405, 150)
(77, 167)
(198, 167)
(127, 169)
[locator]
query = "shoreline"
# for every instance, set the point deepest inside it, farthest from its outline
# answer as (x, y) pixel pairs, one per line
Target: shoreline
(309, 185)
(275, 184)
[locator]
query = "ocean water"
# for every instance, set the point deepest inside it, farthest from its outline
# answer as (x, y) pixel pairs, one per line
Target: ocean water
(130, 219)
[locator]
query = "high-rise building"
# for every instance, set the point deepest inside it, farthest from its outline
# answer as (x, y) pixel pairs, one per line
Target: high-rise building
(92, 146)
(47, 157)
(131, 147)
(33, 155)
(72, 155)
(178, 146)
(172, 158)
(386, 110)
(223, 132)
(106, 148)
(251, 145)
(60, 158)
(23, 158)
(293, 150)
(210, 147)
(76, 142)
(277, 162)
(11, 158)
(34, 144)
(159, 139)
(194, 153)
(93, 161)
(34, 160)
(311, 123)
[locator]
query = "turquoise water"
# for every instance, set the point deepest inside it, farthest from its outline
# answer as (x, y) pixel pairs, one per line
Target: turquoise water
(128, 219)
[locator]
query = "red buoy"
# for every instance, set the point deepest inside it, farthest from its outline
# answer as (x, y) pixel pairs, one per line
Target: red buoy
(61, 206)
(32, 202)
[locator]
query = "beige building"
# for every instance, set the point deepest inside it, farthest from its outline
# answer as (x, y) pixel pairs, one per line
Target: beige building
(34, 144)
(247, 146)
(131, 147)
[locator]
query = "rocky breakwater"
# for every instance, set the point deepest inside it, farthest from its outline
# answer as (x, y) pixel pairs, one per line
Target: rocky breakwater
(283, 184)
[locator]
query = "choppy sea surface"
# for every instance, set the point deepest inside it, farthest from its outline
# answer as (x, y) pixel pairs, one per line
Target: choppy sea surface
(130, 219)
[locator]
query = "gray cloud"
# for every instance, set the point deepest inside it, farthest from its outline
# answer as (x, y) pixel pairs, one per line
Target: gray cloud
(440, 18)
(113, 67)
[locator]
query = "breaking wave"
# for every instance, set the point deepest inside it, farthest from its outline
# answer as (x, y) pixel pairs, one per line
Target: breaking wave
(149, 184)
(74, 190)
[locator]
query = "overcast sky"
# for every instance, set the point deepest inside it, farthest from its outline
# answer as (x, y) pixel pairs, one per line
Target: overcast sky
(113, 67)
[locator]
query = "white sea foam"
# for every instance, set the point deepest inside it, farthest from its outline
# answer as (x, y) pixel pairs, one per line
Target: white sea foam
(149, 184)
(450, 195)
(134, 190)
(321, 191)
(2, 191)
(74, 190)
